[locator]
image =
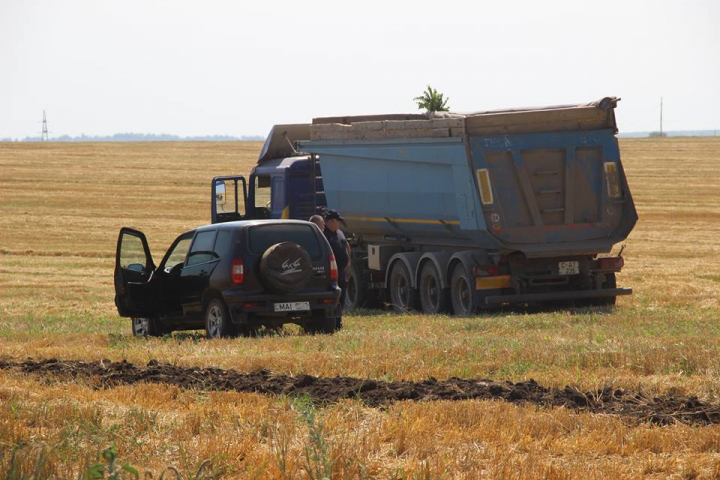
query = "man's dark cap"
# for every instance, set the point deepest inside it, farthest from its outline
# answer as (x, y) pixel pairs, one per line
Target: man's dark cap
(334, 215)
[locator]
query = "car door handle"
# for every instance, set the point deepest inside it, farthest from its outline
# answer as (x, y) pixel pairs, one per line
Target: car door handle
(202, 273)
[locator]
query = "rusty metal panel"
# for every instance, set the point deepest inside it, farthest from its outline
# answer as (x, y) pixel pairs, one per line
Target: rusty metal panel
(574, 118)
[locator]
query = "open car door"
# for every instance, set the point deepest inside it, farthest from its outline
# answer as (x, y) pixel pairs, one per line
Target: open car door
(134, 267)
(229, 196)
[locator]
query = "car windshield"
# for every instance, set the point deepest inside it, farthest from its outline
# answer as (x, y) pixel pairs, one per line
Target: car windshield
(264, 236)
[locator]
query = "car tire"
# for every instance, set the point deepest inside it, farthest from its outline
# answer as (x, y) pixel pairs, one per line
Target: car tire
(433, 298)
(462, 292)
(320, 323)
(147, 327)
(218, 323)
(402, 294)
(285, 267)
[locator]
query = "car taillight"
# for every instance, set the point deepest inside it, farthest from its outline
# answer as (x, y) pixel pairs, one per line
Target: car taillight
(333, 268)
(612, 263)
(237, 272)
(486, 270)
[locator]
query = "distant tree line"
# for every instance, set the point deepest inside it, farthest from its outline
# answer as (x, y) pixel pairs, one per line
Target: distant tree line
(143, 137)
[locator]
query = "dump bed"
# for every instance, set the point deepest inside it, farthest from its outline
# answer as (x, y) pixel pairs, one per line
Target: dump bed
(542, 181)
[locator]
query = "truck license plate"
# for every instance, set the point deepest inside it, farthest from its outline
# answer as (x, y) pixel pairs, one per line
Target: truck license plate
(293, 306)
(568, 268)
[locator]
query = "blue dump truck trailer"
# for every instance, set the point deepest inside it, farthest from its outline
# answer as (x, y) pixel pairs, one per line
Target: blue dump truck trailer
(452, 212)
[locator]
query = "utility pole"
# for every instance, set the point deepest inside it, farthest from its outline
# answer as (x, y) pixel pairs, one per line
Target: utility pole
(44, 137)
(661, 106)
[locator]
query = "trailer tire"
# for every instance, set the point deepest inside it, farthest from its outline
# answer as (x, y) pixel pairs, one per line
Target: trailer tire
(462, 292)
(610, 282)
(433, 298)
(357, 294)
(402, 294)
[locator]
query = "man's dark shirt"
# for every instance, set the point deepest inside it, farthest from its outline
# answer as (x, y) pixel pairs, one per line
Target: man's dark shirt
(339, 250)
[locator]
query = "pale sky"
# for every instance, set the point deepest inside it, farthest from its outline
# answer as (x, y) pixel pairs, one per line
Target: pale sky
(236, 68)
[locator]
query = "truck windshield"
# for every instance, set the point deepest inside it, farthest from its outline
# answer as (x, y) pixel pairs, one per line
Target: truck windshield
(264, 236)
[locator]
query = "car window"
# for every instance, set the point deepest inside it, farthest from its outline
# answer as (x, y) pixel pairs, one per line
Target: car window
(264, 236)
(178, 253)
(202, 247)
(132, 253)
(222, 243)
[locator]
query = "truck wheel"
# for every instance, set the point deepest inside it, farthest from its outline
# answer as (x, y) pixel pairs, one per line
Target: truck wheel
(610, 282)
(402, 294)
(433, 298)
(462, 292)
(148, 327)
(217, 320)
(320, 323)
(357, 295)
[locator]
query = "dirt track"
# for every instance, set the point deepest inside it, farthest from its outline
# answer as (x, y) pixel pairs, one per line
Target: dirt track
(662, 410)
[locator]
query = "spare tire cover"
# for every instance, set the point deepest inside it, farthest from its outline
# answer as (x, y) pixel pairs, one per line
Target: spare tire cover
(285, 267)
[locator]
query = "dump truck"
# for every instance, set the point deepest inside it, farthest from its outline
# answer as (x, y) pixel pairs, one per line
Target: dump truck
(450, 212)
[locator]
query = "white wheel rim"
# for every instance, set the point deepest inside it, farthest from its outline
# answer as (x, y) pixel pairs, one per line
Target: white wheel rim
(141, 326)
(214, 321)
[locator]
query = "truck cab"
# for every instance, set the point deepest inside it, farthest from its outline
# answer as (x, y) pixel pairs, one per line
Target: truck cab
(283, 184)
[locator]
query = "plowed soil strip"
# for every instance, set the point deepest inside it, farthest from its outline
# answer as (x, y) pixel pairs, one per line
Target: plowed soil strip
(665, 409)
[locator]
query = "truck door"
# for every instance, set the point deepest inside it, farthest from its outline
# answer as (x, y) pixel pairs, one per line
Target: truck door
(229, 199)
(134, 295)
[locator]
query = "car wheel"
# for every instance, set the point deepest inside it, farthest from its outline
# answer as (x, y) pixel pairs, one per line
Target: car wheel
(217, 320)
(147, 327)
(462, 293)
(433, 298)
(320, 323)
(402, 293)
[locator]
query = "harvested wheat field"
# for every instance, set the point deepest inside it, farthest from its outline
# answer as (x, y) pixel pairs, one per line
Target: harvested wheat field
(632, 392)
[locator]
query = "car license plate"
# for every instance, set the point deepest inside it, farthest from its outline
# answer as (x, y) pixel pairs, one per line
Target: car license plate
(292, 306)
(568, 268)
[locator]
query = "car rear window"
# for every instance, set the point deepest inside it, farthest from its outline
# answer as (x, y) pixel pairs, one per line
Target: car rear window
(264, 236)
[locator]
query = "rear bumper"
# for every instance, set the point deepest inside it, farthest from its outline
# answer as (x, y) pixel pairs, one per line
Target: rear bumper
(547, 296)
(239, 301)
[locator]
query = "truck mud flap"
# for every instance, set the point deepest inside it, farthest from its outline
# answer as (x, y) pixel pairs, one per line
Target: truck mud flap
(543, 297)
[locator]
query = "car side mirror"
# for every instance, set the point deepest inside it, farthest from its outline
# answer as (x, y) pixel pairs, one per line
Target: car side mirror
(176, 269)
(136, 267)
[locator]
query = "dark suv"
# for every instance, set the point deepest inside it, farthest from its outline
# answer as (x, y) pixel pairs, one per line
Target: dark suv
(230, 279)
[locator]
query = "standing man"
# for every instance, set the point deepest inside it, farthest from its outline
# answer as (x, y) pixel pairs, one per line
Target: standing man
(319, 221)
(341, 250)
